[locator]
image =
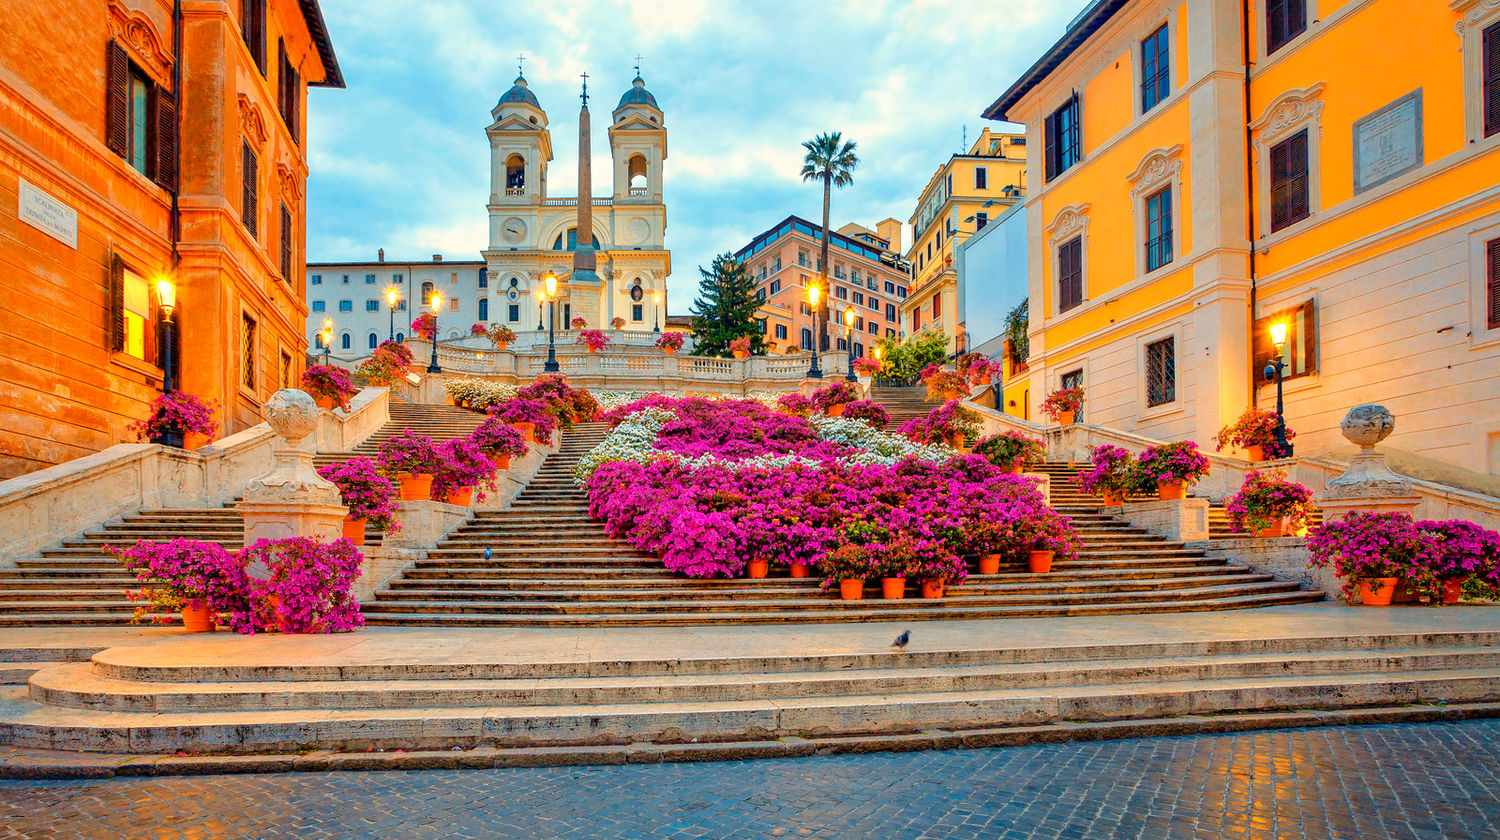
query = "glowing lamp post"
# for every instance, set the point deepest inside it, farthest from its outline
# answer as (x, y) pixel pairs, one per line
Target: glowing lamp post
(849, 340)
(327, 338)
(551, 366)
(656, 305)
(814, 371)
(391, 296)
(166, 298)
(1275, 368)
(437, 305)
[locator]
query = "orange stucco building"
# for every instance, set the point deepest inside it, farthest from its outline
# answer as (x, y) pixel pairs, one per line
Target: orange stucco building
(141, 142)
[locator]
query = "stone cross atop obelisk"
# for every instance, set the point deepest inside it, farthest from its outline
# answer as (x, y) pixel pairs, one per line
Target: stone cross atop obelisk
(583, 256)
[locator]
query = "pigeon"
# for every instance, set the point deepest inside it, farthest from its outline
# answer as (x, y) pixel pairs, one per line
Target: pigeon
(901, 640)
(488, 552)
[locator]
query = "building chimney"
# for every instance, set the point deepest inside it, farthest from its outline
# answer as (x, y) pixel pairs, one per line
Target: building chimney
(437, 258)
(380, 255)
(890, 230)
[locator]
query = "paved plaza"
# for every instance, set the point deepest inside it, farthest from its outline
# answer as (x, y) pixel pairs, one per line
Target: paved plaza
(1361, 783)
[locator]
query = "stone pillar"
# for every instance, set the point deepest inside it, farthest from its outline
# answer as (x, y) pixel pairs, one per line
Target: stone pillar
(1368, 484)
(1178, 520)
(292, 500)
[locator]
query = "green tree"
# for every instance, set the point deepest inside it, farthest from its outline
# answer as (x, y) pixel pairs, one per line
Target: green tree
(905, 359)
(830, 159)
(727, 308)
(1017, 322)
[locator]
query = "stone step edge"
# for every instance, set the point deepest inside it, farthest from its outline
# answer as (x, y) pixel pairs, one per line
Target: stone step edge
(34, 764)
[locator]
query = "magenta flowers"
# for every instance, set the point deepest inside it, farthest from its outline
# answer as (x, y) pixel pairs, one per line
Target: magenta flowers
(179, 412)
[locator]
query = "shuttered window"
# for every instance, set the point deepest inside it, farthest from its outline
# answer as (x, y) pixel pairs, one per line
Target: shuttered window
(1490, 61)
(1070, 274)
(1159, 229)
(1062, 138)
(1492, 282)
(247, 351)
(288, 92)
(249, 183)
(117, 303)
(1161, 372)
(1285, 20)
(253, 30)
(1156, 69)
(1289, 181)
(140, 119)
(286, 243)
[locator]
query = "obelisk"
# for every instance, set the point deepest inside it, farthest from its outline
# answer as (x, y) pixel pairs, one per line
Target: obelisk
(584, 260)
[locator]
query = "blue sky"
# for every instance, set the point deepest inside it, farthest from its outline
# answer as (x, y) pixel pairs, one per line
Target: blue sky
(399, 159)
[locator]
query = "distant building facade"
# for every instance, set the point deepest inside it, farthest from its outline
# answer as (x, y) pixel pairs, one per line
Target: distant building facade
(992, 282)
(356, 298)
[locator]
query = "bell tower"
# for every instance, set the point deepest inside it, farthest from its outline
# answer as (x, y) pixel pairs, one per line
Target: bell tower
(520, 147)
(638, 146)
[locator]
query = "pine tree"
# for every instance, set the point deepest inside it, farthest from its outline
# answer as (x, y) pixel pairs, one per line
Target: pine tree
(727, 308)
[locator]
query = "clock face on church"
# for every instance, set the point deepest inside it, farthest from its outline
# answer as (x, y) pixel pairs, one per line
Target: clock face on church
(513, 229)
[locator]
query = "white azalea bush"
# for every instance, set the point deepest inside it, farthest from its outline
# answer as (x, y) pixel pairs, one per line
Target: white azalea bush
(875, 446)
(479, 393)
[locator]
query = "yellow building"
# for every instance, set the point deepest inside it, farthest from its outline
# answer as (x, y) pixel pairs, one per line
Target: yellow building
(1357, 152)
(963, 195)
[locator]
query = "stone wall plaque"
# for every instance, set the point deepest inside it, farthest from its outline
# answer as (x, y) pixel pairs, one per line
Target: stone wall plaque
(1388, 142)
(47, 214)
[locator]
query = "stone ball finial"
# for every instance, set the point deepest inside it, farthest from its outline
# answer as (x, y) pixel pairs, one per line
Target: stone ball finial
(292, 414)
(1368, 424)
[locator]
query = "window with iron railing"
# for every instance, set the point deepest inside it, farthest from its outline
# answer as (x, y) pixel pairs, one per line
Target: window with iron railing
(1161, 372)
(1159, 229)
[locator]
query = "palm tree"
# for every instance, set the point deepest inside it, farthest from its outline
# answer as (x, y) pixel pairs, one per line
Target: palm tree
(829, 159)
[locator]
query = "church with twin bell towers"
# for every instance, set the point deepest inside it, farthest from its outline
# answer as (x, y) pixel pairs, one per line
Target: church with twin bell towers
(618, 270)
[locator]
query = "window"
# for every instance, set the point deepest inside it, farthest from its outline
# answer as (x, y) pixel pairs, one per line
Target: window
(372, 306)
(453, 277)
(937, 306)
(1161, 372)
(286, 241)
(484, 309)
(781, 332)
(317, 279)
(842, 293)
(842, 345)
(1062, 135)
(136, 311)
(288, 91)
(369, 279)
(890, 288)
(1072, 379)
(345, 341)
(396, 278)
(1159, 229)
(346, 306)
(874, 304)
(859, 298)
(890, 312)
(452, 304)
(1156, 75)
(247, 351)
(760, 323)
(981, 178)
(871, 283)
(1492, 283)
(807, 339)
(1299, 353)
(400, 306)
(249, 184)
(253, 30)
(318, 339)
(901, 291)
(760, 293)
(426, 293)
(513, 312)
(284, 372)
(140, 119)
(1285, 20)
(980, 220)
(373, 340)
(1289, 192)
(484, 278)
(346, 279)
(637, 312)
(1490, 68)
(1070, 274)
(775, 286)
(319, 306)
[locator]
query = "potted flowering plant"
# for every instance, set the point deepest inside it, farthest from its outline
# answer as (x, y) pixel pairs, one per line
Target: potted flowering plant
(384, 367)
(869, 411)
(850, 562)
(500, 335)
(477, 329)
(594, 340)
(425, 325)
(740, 347)
(1063, 404)
(794, 404)
(946, 385)
(530, 417)
(978, 370)
(1011, 451)
(1254, 432)
(831, 398)
(579, 322)
(198, 579)
(1170, 468)
(310, 588)
(866, 367)
(412, 460)
(1269, 504)
(669, 342)
(1046, 536)
(369, 496)
(329, 385)
(500, 440)
(462, 467)
(178, 419)
(1462, 551)
(1111, 474)
(1373, 552)
(617, 322)
(949, 423)
(927, 560)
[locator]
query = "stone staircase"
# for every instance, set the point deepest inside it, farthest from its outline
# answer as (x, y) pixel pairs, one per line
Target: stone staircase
(902, 404)
(439, 422)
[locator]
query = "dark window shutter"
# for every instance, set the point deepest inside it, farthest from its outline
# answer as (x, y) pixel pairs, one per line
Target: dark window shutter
(253, 28)
(248, 187)
(117, 100)
(286, 244)
(1049, 141)
(166, 140)
(1070, 274)
(1492, 284)
(1297, 181)
(117, 303)
(1490, 57)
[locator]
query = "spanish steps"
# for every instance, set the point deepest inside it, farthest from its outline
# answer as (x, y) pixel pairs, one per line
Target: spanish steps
(551, 565)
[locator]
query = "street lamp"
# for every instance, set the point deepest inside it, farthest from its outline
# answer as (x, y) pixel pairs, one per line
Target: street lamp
(437, 305)
(849, 340)
(166, 298)
(551, 366)
(1275, 368)
(391, 296)
(814, 371)
(656, 305)
(327, 338)
(878, 355)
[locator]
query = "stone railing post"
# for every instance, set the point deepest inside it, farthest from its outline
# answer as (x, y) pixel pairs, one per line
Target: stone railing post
(292, 500)
(1368, 484)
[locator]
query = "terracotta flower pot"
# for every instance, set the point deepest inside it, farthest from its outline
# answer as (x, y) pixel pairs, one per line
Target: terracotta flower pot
(331, 403)
(1065, 418)
(195, 440)
(501, 345)
(1275, 529)
(955, 440)
(448, 400)
(1112, 498)
(463, 497)
(1453, 590)
(1170, 490)
(197, 618)
(1255, 453)
(893, 589)
(593, 349)
(851, 590)
(932, 589)
(835, 410)
(1040, 562)
(799, 570)
(759, 568)
(989, 564)
(1015, 469)
(984, 380)
(415, 488)
(527, 430)
(354, 530)
(502, 462)
(669, 350)
(950, 396)
(1377, 592)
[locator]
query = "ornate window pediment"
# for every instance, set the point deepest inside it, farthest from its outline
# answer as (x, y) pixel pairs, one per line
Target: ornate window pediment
(252, 124)
(135, 32)
(1069, 220)
(1158, 167)
(1288, 112)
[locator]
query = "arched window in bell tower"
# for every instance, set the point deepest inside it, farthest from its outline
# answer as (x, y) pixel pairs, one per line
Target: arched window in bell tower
(635, 170)
(572, 234)
(515, 175)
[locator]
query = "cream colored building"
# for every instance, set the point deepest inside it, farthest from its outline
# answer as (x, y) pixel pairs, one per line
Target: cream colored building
(532, 232)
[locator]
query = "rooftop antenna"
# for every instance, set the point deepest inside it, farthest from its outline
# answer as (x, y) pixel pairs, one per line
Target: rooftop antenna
(520, 60)
(964, 143)
(585, 97)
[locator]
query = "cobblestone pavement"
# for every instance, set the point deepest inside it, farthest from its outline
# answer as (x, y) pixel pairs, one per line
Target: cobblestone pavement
(1363, 783)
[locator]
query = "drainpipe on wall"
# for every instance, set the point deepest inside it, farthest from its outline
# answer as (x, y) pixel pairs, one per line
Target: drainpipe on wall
(176, 130)
(1245, 20)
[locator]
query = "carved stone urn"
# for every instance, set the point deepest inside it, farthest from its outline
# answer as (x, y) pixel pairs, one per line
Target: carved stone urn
(292, 500)
(1368, 484)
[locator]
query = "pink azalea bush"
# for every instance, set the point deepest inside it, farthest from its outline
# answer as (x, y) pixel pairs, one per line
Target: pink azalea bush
(310, 585)
(478, 329)
(669, 341)
(593, 339)
(941, 383)
(1265, 498)
(181, 573)
(364, 491)
(976, 367)
(1171, 463)
(1365, 546)
(794, 404)
(617, 322)
(495, 437)
(1062, 400)
(866, 366)
(1462, 550)
(567, 404)
(425, 325)
(869, 411)
(740, 345)
(1255, 427)
(579, 322)
(329, 382)
(1010, 449)
(942, 423)
(836, 392)
(409, 453)
(461, 463)
(1111, 472)
(521, 410)
(177, 411)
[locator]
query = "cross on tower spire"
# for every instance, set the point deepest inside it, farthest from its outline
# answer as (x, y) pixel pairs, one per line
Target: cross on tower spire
(585, 77)
(638, 64)
(520, 61)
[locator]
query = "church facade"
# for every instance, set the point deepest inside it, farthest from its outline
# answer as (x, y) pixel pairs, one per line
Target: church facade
(620, 269)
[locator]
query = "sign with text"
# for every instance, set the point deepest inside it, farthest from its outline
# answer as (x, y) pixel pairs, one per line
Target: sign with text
(47, 214)
(1388, 142)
